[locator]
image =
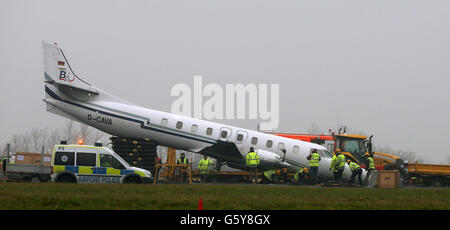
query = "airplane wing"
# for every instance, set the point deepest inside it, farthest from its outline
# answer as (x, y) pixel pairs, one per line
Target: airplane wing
(223, 150)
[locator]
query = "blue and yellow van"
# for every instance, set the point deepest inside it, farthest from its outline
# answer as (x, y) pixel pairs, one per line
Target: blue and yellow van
(93, 164)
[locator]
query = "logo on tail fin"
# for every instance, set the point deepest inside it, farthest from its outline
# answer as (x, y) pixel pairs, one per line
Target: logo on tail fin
(65, 76)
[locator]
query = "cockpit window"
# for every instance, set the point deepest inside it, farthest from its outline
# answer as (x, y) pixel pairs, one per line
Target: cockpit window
(324, 153)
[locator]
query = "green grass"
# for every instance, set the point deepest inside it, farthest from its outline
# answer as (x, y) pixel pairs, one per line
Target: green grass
(228, 197)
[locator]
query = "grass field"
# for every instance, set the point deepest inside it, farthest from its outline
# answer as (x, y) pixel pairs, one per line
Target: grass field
(216, 197)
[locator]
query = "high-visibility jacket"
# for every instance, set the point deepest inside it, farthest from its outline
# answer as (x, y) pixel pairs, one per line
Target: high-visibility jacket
(353, 166)
(203, 165)
(334, 163)
(297, 174)
(341, 161)
(268, 174)
(371, 163)
(252, 159)
(184, 161)
(314, 161)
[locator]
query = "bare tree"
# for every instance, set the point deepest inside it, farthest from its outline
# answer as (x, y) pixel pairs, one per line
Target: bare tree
(89, 134)
(34, 140)
(37, 137)
(83, 132)
(410, 156)
(98, 136)
(19, 142)
(53, 137)
(69, 131)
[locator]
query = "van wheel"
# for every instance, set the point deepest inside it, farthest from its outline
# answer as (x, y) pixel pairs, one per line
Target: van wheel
(66, 178)
(132, 180)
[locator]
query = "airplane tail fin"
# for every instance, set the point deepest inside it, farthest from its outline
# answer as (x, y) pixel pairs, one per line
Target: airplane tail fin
(58, 72)
(63, 86)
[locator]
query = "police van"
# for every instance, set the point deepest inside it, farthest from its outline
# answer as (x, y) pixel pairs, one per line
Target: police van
(93, 164)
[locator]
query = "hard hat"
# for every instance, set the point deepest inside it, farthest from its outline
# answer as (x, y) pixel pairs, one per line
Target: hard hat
(305, 170)
(348, 161)
(338, 150)
(366, 154)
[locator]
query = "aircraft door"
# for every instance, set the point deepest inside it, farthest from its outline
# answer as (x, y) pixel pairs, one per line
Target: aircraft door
(225, 133)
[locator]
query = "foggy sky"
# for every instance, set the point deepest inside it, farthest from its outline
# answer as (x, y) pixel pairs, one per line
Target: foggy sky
(382, 67)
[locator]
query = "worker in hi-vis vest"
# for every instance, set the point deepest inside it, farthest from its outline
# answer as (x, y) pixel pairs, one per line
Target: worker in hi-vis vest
(370, 166)
(300, 176)
(314, 159)
(203, 167)
(252, 162)
(341, 165)
(356, 170)
(269, 176)
(183, 170)
(334, 164)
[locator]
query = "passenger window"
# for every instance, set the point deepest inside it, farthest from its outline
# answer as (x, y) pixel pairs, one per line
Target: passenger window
(240, 137)
(64, 158)
(179, 125)
(209, 131)
(86, 159)
(110, 161)
(281, 146)
(194, 128)
(269, 144)
(223, 134)
(254, 140)
(164, 122)
(105, 160)
(296, 149)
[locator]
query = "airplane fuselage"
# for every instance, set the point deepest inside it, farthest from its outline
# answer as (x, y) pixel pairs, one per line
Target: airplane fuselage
(97, 108)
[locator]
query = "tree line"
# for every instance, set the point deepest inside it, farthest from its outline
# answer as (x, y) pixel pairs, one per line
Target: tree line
(44, 139)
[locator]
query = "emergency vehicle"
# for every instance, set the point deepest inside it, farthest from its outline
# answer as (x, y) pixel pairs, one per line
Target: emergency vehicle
(93, 164)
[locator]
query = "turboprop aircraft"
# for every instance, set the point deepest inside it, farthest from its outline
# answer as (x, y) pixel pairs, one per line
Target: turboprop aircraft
(69, 96)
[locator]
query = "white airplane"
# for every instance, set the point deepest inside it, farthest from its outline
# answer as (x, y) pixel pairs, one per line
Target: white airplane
(69, 96)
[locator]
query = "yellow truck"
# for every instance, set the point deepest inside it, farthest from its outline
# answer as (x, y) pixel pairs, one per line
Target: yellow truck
(429, 174)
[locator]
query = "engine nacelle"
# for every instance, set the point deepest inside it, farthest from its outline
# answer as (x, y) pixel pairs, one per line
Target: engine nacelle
(271, 160)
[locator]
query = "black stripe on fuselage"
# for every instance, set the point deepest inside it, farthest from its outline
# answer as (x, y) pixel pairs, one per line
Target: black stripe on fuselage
(56, 97)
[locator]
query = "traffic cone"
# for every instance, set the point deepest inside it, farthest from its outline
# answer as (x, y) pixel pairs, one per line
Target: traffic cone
(200, 204)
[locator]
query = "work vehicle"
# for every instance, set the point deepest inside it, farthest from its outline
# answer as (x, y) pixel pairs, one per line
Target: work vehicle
(93, 164)
(25, 166)
(352, 146)
(70, 96)
(31, 173)
(355, 146)
(31, 167)
(429, 174)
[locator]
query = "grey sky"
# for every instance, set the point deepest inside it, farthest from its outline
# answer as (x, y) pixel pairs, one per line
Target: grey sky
(382, 67)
